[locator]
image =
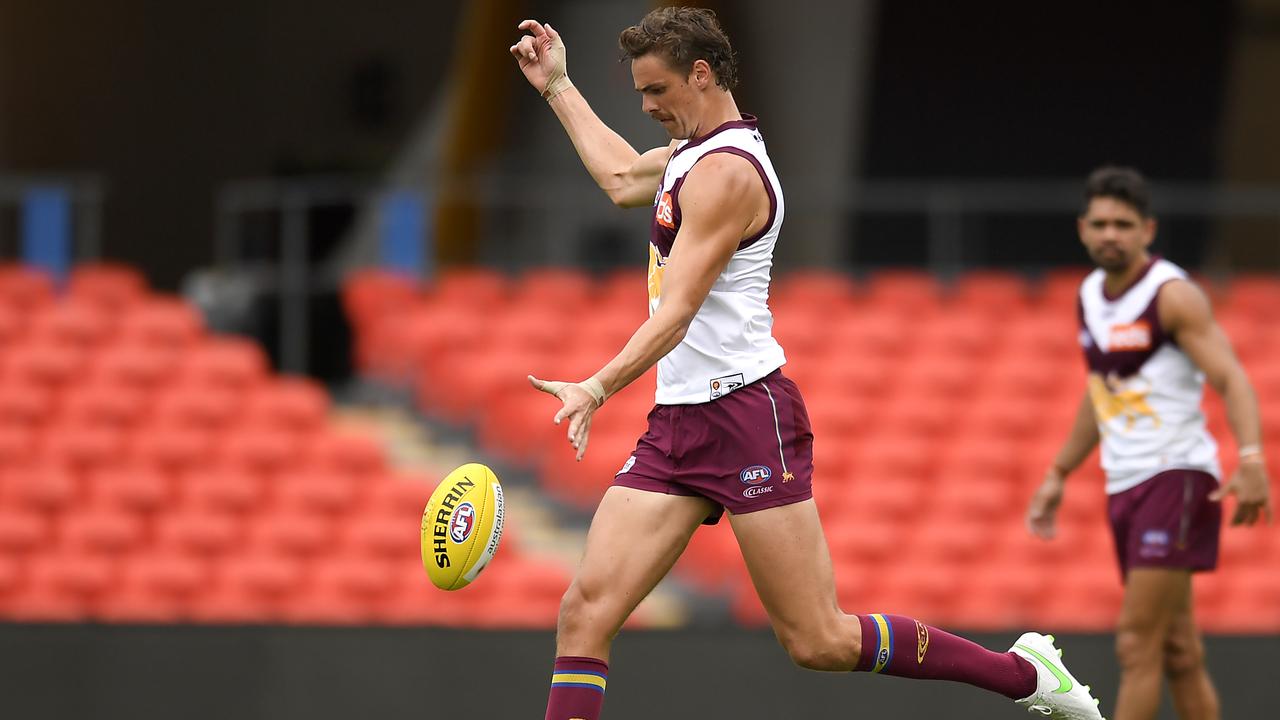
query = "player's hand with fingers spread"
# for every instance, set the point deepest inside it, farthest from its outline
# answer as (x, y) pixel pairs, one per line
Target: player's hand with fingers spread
(1250, 486)
(542, 58)
(581, 400)
(1043, 511)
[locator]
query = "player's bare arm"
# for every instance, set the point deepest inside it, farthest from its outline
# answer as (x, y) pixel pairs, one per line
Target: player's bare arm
(723, 201)
(1043, 510)
(1186, 316)
(629, 178)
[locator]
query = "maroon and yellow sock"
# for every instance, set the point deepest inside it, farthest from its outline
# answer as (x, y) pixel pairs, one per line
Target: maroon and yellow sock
(577, 688)
(904, 647)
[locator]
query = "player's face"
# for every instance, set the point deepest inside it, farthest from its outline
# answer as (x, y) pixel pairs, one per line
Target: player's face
(1115, 234)
(667, 95)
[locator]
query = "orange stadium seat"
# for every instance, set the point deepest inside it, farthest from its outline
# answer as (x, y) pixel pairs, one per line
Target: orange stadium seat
(104, 404)
(111, 286)
(370, 293)
(913, 293)
(171, 447)
(83, 447)
(219, 488)
(474, 288)
(25, 288)
(957, 335)
(24, 404)
(132, 488)
(989, 292)
(137, 366)
(161, 322)
(43, 364)
(1059, 289)
(13, 326)
(63, 587)
(22, 530)
(288, 402)
(877, 332)
(101, 529)
(624, 288)
(76, 324)
(555, 288)
(259, 449)
(17, 445)
(290, 532)
(225, 362)
(312, 490)
(1253, 295)
(371, 535)
(813, 290)
(195, 406)
(198, 531)
(354, 453)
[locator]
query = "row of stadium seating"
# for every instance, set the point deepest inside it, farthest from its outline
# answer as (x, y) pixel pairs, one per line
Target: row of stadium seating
(935, 408)
(153, 472)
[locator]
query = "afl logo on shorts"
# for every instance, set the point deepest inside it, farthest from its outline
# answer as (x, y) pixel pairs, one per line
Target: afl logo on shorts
(755, 474)
(462, 522)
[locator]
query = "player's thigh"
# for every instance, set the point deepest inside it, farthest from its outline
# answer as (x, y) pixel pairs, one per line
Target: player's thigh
(635, 538)
(790, 565)
(1153, 598)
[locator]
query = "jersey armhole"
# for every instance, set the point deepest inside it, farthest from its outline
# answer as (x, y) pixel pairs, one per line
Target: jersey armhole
(768, 187)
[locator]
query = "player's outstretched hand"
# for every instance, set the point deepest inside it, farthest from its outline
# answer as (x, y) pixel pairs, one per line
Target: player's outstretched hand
(542, 58)
(579, 407)
(1252, 490)
(1042, 513)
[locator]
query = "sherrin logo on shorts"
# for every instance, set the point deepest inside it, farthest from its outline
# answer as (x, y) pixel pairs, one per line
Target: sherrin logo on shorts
(462, 522)
(755, 474)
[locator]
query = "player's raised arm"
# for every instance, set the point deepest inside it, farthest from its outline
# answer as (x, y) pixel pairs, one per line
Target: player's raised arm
(1186, 315)
(629, 178)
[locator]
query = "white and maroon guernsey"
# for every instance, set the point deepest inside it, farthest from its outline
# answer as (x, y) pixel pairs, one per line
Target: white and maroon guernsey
(730, 342)
(1146, 392)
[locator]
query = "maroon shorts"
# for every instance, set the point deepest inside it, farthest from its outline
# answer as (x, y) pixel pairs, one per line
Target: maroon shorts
(1168, 521)
(749, 450)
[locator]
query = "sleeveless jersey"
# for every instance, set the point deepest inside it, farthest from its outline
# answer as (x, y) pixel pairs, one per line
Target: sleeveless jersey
(730, 343)
(1146, 392)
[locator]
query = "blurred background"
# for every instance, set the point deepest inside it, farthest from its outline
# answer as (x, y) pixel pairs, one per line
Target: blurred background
(268, 271)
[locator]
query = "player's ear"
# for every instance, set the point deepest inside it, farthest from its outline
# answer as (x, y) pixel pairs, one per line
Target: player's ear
(1150, 226)
(700, 74)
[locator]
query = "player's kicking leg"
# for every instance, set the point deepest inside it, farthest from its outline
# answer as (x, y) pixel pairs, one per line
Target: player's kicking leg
(634, 540)
(794, 578)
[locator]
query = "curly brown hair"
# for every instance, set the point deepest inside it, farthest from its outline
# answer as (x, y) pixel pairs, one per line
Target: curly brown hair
(683, 35)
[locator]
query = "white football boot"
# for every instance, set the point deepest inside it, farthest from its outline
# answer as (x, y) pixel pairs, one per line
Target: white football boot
(1058, 695)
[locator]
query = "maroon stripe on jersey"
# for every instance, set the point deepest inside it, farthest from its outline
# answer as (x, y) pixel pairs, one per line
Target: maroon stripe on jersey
(663, 237)
(768, 187)
(1127, 363)
(747, 121)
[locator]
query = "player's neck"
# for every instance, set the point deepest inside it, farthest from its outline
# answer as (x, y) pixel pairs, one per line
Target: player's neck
(717, 113)
(1116, 283)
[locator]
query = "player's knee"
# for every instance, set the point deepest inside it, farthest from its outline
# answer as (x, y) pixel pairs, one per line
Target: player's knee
(583, 612)
(820, 650)
(574, 611)
(1137, 648)
(1182, 655)
(812, 654)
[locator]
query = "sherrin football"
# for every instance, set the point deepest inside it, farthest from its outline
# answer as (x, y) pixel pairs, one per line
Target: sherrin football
(462, 526)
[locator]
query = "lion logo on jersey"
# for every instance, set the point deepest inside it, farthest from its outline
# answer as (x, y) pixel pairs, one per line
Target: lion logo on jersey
(1114, 398)
(657, 263)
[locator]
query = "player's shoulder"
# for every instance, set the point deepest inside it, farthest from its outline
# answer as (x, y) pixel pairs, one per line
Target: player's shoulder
(730, 172)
